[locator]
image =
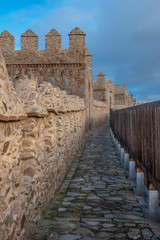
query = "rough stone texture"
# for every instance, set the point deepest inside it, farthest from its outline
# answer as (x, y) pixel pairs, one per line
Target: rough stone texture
(99, 112)
(29, 41)
(7, 42)
(102, 204)
(53, 40)
(10, 106)
(35, 155)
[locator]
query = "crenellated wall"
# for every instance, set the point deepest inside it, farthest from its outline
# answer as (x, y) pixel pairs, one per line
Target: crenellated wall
(113, 95)
(100, 113)
(47, 105)
(68, 69)
(41, 129)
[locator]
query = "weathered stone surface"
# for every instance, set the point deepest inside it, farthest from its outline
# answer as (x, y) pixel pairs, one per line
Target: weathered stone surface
(35, 155)
(10, 106)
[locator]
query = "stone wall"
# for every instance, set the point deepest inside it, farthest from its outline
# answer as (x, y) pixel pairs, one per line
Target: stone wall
(65, 68)
(41, 129)
(100, 113)
(45, 112)
(35, 154)
(69, 69)
(113, 95)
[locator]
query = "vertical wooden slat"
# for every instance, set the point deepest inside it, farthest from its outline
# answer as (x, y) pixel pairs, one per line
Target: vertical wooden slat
(138, 130)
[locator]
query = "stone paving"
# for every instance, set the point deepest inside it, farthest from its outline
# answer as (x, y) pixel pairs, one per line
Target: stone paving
(96, 200)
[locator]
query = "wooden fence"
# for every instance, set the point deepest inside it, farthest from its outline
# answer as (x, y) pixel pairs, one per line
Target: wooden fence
(138, 130)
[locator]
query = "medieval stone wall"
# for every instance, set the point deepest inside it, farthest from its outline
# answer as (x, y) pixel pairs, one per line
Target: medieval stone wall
(44, 114)
(61, 67)
(70, 69)
(100, 113)
(35, 155)
(41, 129)
(113, 95)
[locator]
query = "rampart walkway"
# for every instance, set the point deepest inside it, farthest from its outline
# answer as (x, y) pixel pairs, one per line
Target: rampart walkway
(96, 200)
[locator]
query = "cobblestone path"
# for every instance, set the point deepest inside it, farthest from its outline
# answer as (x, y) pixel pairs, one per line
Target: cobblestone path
(95, 201)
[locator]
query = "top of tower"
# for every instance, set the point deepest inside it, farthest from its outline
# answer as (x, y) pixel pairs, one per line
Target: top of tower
(53, 32)
(101, 74)
(6, 34)
(77, 31)
(29, 33)
(109, 81)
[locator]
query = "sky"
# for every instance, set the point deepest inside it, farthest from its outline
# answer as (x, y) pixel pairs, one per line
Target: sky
(122, 35)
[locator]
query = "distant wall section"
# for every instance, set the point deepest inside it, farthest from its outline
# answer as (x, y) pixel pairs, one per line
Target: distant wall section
(113, 95)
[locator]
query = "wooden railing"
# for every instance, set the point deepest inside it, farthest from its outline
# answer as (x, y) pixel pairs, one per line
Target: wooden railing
(138, 130)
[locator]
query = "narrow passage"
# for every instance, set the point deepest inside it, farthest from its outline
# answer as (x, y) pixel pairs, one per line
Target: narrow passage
(95, 201)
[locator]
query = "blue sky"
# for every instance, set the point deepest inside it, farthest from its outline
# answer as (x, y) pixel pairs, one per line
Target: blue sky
(122, 35)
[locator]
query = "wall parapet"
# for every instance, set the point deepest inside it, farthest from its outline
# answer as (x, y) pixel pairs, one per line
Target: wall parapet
(30, 41)
(36, 152)
(40, 100)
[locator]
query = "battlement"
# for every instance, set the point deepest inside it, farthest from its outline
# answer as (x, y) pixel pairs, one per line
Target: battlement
(77, 39)
(118, 89)
(53, 40)
(30, 41)
(113, 95)
(7, 41)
